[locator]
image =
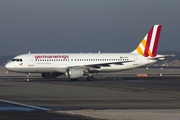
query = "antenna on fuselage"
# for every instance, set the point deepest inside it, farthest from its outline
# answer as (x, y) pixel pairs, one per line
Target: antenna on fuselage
(29, 52)
(99, 52)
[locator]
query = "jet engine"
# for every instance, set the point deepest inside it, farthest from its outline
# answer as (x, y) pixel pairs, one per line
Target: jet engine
(74, 73)
(50, 75)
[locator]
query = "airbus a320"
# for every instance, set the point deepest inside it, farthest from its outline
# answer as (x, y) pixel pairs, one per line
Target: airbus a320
(76, 65)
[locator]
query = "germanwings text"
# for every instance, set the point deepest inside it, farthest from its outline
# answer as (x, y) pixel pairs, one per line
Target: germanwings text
(51, 57)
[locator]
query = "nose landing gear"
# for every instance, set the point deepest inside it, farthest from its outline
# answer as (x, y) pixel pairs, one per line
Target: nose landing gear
(28, 77)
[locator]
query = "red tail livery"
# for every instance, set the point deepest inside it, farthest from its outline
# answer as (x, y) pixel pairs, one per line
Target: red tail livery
(148, 46)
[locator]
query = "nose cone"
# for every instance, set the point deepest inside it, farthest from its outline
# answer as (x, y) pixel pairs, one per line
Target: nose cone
(9, 66)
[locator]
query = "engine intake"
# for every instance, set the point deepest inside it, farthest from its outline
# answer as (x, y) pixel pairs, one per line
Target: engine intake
(74, 73)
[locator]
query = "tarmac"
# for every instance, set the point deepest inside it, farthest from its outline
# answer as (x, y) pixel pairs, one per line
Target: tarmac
(55, 98)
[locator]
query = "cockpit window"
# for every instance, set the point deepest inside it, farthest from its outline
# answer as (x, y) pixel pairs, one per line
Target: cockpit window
(18, 60)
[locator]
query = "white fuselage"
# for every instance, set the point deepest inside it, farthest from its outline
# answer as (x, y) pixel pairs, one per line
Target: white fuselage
(60, 62)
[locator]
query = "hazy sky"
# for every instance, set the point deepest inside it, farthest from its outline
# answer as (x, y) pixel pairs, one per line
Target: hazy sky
(48, 26)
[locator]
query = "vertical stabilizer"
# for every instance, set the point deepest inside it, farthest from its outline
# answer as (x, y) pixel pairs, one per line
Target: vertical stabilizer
(148, 46)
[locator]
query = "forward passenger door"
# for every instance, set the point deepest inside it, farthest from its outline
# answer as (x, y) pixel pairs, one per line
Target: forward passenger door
(31, 60)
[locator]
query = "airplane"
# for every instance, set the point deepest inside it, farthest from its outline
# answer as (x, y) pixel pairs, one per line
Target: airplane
(76, 65)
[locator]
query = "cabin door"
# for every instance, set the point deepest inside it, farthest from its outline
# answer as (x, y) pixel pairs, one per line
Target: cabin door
(135, 63)
(31, 60)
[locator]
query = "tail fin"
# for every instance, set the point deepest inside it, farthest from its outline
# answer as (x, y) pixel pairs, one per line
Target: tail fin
(148, 46)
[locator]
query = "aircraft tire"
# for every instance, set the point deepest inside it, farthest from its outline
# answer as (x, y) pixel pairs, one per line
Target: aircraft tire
(90, 78)
(74, 79)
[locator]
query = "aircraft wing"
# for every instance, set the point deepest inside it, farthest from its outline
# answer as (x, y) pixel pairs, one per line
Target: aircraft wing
(99, 65)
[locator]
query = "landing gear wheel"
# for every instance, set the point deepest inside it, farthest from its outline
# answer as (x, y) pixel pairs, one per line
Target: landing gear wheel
(90, 78)
(74, 79)
(27, 80)
(28, 77)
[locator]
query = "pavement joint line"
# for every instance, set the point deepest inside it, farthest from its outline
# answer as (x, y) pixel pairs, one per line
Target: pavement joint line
(25, 105)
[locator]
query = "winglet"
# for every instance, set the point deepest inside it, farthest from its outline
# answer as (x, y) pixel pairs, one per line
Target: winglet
(148, 46)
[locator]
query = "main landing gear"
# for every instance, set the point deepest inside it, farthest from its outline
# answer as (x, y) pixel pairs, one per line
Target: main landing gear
(90, 78)
(74, 79)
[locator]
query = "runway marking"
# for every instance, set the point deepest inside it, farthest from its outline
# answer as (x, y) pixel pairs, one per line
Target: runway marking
(25, 105)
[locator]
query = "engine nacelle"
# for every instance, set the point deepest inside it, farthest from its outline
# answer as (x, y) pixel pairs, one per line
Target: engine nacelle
(50, 75)
(74, 73)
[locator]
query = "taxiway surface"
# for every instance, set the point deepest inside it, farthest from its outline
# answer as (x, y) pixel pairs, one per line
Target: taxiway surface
(110, 93)
(154, 92)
